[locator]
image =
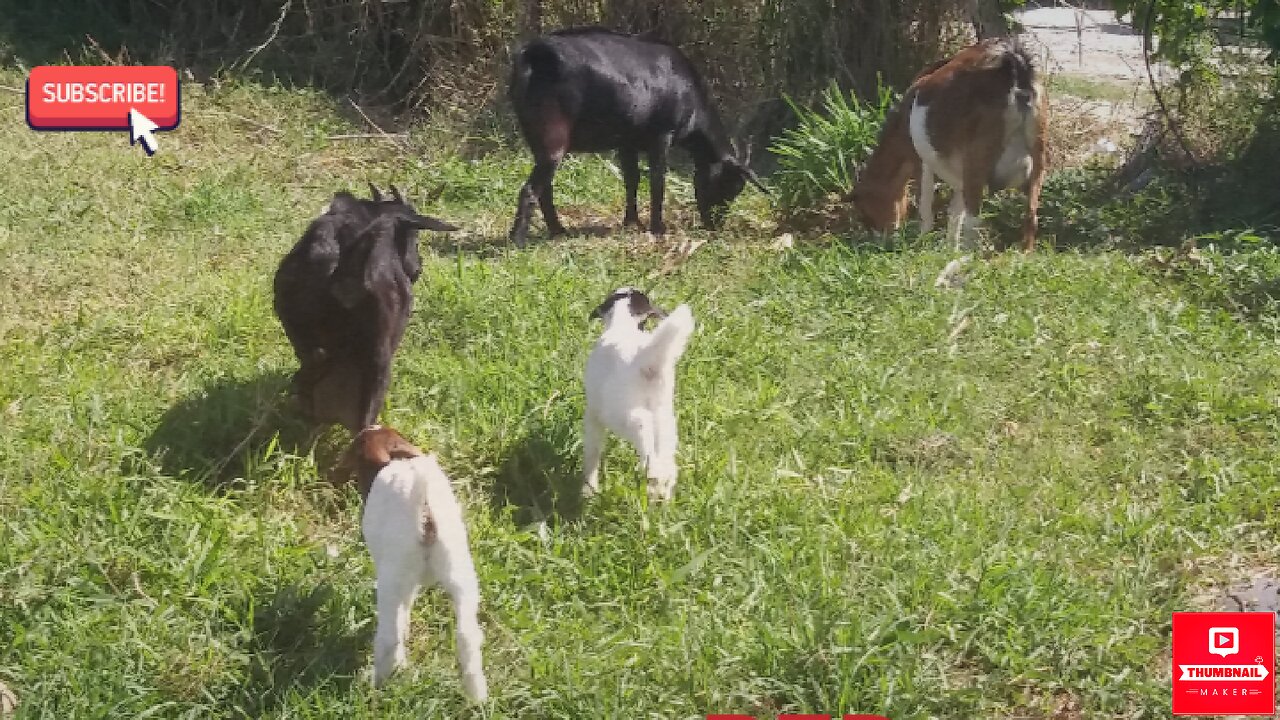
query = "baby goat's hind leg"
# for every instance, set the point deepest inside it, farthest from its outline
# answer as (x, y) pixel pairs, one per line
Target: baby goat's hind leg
(593, 436)
(465, 592)
(662, 470)
(396, 593)
(640, 432)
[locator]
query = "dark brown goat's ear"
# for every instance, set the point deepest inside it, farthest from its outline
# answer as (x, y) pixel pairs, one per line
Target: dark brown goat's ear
(400, 449)
(379, 446)
(395, 195)
(425, 222)
(375, 192)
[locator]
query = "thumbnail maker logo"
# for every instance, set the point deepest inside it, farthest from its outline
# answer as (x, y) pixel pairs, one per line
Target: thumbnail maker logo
(1224, 641)
(1224, 663)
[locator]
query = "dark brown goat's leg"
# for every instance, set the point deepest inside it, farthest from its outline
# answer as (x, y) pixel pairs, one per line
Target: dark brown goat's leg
(374, 381)
(658, 183)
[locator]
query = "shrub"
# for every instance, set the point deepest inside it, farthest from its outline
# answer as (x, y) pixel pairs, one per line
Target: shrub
(820, 155)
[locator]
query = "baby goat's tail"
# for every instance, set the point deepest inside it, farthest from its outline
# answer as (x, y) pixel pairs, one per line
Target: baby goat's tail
(669, 340)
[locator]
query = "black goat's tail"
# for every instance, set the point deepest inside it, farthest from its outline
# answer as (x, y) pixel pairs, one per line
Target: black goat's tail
(535, 63)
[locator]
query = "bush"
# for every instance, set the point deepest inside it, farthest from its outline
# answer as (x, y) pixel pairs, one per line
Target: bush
(819, 157)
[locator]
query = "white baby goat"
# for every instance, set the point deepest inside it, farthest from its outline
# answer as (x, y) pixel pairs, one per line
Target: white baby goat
(631, 383)
(415, 532)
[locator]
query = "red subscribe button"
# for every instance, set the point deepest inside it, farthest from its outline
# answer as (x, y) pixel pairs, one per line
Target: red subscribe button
(100, 98)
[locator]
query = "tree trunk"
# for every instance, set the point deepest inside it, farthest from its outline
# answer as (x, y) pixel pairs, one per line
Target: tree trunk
(988, 19)
(531, 20)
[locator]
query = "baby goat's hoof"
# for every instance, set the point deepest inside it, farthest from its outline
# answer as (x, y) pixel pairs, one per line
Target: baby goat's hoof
(476, 687)
(661, 490)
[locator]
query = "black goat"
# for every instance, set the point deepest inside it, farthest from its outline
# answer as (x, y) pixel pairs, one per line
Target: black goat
(594, 90)
(343, 295)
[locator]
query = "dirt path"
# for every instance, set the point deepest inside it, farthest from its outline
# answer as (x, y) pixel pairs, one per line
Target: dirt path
(1096, 77)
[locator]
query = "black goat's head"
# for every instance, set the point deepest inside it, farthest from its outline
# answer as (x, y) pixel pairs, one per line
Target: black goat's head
(717, 184)
(396, 207)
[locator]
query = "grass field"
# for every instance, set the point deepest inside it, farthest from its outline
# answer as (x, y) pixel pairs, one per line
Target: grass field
(972, 503)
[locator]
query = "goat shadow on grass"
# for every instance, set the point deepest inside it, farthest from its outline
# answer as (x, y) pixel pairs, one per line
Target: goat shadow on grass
(219, 433)
(301, 641)
(539, 477)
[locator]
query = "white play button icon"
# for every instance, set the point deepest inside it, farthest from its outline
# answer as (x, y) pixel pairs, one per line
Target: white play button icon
(1224, 641)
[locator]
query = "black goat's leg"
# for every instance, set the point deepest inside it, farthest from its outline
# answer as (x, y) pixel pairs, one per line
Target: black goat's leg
(658, 182)
(543, 174)
(629, 164)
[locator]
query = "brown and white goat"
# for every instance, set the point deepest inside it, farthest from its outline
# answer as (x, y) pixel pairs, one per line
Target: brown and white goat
(975, 121)
(417, 536)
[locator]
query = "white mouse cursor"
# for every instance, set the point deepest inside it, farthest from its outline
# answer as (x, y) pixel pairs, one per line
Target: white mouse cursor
(140, 129)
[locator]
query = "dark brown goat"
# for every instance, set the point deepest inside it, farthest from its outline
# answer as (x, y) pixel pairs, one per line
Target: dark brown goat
(343, 295)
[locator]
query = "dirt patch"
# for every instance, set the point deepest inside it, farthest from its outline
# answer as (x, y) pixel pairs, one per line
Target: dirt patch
(1096, 76)
(1088, 43)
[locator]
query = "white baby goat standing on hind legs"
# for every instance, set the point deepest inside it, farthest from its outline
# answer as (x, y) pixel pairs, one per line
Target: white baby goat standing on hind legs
(630, 384)
(414, 528)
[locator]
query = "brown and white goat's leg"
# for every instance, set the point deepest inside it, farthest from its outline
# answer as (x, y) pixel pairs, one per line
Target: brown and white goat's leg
(955, 217)
(978, 162)
(926, 198)
(1031, 224)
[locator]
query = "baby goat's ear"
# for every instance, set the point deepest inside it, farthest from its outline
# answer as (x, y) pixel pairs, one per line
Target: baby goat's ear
(375, 192)
(644, 308)
(395, 195)
(425, 222)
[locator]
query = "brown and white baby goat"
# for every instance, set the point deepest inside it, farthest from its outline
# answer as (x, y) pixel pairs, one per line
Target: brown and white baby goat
(976, 121)
(414, 528)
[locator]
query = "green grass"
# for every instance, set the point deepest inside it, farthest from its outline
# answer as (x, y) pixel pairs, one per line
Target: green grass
(1087, 88)
(895, 499)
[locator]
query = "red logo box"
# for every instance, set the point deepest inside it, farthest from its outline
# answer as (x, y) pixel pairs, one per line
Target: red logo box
(1224, 663)
(99, 98)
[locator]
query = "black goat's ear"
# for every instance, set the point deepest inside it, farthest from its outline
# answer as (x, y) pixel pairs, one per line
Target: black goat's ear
(425, 222)
(395, 195)
(375, 192)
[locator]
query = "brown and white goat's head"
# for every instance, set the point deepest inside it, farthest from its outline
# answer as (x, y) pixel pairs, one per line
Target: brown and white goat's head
(880, 196)
(879, 208)
(371, 450)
